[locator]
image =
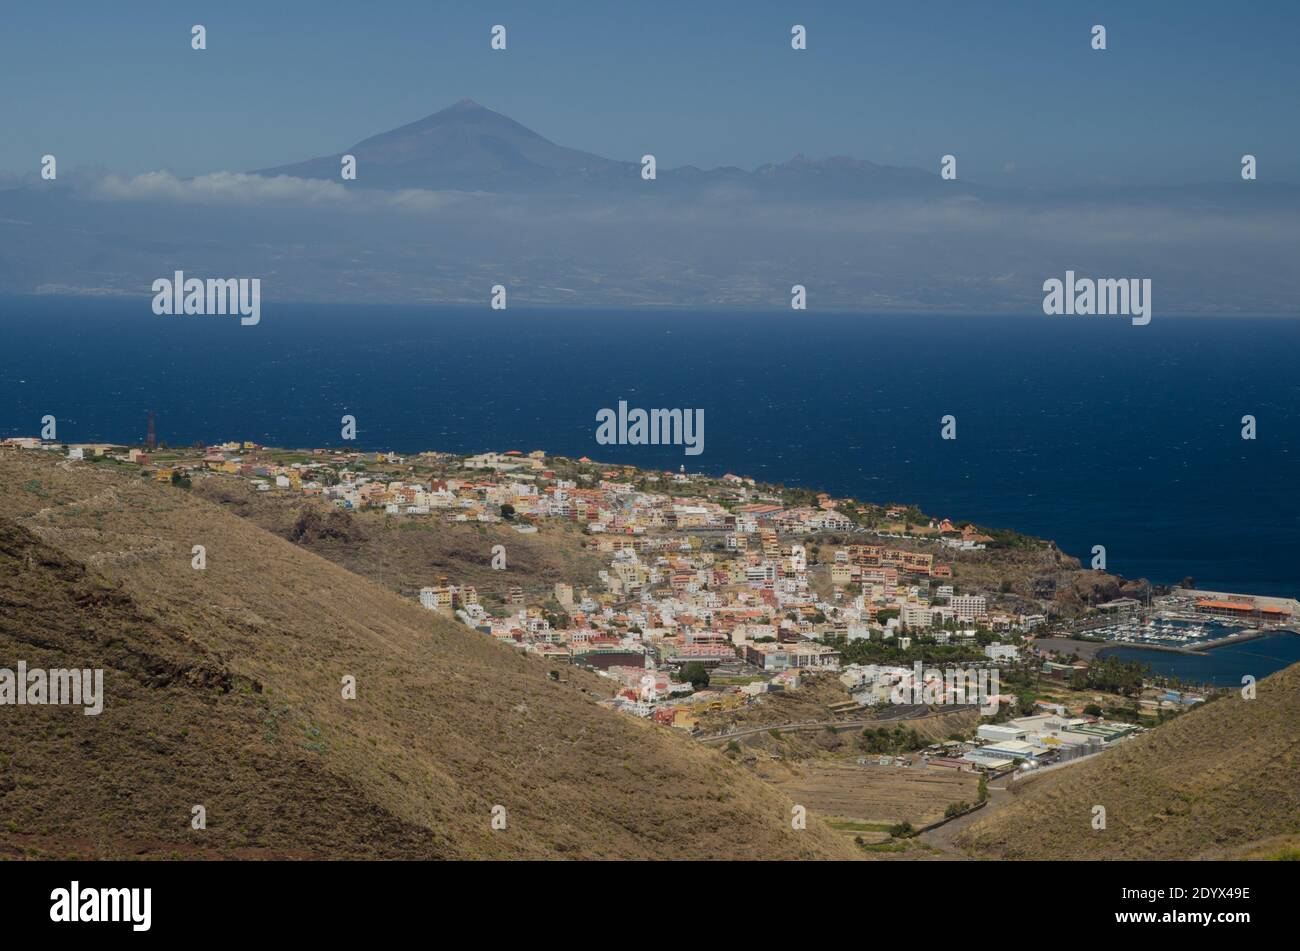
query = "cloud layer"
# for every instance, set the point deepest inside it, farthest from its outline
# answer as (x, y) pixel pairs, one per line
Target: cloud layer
(239, 188)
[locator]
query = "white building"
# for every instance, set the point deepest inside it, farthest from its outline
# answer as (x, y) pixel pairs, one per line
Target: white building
(969, 607)
(999, 652)
(998, 733)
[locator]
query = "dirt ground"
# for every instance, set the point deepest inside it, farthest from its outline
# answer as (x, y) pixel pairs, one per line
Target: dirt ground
(840, 789)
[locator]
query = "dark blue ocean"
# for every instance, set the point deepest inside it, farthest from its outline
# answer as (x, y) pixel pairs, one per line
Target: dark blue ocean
(1085, 430)
(1219, 666)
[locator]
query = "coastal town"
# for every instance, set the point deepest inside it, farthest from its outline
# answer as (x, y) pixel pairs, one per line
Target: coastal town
(718, 594)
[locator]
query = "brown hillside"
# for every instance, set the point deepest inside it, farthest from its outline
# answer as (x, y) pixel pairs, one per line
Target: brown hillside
(407, 553)
(223, 689)
(1206, 785)
(180, 729)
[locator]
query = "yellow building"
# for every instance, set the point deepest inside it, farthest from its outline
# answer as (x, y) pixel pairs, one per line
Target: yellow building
(684, 719)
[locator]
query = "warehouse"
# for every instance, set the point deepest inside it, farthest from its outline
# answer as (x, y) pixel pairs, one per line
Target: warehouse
(985, 760)
(998, 732)
(1014, 749)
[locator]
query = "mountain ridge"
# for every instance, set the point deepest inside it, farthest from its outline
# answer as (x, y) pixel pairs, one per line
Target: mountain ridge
(469, 146)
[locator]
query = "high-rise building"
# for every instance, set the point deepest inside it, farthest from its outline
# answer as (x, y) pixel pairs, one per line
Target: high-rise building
(969, 607)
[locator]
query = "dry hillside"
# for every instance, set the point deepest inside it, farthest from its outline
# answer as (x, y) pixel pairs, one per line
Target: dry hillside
(408, 553)
(223, 689)
(1209, 784)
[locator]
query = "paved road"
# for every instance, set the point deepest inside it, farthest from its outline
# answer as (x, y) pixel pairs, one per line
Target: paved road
(1000, 794)
(944, 837)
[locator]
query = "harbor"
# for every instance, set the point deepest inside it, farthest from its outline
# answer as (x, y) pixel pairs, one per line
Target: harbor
(1171, 635)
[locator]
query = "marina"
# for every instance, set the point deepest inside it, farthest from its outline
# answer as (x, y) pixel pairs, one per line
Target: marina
(1182, 634)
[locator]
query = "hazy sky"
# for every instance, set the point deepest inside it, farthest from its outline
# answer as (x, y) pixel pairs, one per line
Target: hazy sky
(1012, 88)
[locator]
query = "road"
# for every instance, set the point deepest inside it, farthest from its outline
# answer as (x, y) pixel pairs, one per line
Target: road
(1000, 794)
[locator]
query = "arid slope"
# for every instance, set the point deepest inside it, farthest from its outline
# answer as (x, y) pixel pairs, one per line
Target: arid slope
(1206, 785)
(406, 553)
(224, 690)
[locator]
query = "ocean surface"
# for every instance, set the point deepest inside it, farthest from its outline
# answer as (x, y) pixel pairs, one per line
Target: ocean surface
(1219, 666)
(1086, 430)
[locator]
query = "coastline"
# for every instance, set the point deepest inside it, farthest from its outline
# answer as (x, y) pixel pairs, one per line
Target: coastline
(1087, 650)
(862, 448)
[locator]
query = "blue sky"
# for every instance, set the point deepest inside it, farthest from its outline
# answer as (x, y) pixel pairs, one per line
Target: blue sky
(1011, 88)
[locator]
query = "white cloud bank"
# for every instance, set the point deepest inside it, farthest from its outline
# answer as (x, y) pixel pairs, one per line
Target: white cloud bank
(239, 188)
